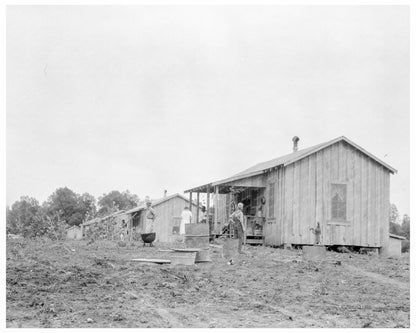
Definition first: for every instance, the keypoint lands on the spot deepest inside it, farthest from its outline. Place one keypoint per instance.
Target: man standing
(186, 218)
(150, 217)
(237, 220)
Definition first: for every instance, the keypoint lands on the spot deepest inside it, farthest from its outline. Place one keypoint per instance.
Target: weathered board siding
(302, 197)
(273, 228)
(168, 213)
(306, 199)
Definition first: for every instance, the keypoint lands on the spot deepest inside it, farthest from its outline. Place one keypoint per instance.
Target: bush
(405, 246)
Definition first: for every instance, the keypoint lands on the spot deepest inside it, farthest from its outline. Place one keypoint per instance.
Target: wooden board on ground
(155, 261)
(187, 250)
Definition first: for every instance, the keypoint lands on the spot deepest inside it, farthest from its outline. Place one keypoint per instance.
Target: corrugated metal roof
(296, 156)
(285, 160)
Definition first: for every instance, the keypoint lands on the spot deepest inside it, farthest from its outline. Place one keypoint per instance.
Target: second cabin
(336, 183)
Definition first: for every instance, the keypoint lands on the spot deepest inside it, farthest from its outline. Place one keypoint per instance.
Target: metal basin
(149, 238)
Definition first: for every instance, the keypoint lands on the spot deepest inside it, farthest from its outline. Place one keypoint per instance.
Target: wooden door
(270, 231)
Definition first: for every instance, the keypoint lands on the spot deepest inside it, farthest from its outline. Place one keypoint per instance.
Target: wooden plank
(335, 162)
(386, 208)
(374, 232)
(359, 196)
(319, 205)
(326, 175)
(342, 163)
(277, 207)
(370, 203)
(296, 199)
(312, 198)
(356, 167)
(333, 178)
(282, 204)
(288, 221)
(155, 261)
(303, 229)
(349, 231)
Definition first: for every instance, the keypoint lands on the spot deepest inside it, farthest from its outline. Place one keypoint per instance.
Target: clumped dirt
(81, 284)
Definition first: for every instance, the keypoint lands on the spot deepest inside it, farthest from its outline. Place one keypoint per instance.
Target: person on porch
(237, 222)
(186, 217)
(150, 216)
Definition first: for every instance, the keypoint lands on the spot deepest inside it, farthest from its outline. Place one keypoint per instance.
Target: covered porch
(222, 198)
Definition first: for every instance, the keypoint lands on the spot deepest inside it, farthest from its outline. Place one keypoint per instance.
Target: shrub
(405, 246)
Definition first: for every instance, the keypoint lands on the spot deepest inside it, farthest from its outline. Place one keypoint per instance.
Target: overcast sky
(153, 98)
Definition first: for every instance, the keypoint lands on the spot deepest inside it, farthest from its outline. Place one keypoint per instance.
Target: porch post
(190, 201)
(216, 204)
(197, 207)
(209, 221)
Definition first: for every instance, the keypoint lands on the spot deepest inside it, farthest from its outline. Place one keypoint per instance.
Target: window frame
(331, 219)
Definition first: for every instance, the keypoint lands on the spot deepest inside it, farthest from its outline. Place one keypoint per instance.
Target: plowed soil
(76, 284)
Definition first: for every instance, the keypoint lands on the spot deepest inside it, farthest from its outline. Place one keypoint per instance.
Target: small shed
(74, 232)
(395, 245)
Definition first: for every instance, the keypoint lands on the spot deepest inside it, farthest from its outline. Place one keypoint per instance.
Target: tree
(394, 214)
(406, 226)
(116, 200)
(66, 205)
(26, 218)
(395, 227)
(88, 203)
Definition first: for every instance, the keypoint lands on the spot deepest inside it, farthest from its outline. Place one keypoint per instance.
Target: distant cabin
(336, 183)
(168, 216)
(395, 245)
(130, 223)
(74, 232)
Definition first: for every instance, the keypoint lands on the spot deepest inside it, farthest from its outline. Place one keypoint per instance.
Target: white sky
(154, 98)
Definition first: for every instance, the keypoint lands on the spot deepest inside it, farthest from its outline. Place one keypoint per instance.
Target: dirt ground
(76, 284)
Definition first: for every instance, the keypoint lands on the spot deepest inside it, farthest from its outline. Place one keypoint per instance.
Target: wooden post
(208, 219)
(216, 204)
(197, 207)
(190, 201)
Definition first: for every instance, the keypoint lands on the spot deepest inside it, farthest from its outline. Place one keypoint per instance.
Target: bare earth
(63, 284)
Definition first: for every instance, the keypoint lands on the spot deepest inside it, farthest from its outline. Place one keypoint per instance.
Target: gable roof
(296, 156)
(73, 227)
(100, 219)
(159, 201)
(397, 236)
(288, 159)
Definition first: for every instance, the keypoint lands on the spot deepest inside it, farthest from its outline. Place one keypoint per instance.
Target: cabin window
(176, 225)
(339, 202)
(271, 199)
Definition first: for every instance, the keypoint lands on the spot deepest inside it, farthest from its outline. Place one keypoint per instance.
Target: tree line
(62, 209)
(400, 226)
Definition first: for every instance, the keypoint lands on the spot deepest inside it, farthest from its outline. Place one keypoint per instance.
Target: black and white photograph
(223, 165)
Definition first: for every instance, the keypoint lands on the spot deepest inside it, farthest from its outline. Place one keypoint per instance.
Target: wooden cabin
(168, 216)
(395, 245)
(336, 183)
(127, 225)
(74, 232)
